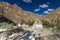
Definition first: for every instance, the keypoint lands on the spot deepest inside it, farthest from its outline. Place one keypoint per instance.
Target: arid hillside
(15, 14)
(53, 17)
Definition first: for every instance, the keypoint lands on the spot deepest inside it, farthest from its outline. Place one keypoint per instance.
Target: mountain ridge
(16, 14)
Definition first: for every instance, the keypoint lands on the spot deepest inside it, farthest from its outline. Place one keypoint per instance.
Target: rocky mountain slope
(16, 14)
(53, 17)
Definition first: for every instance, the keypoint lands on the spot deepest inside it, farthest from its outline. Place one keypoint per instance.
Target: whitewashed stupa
(37, 24)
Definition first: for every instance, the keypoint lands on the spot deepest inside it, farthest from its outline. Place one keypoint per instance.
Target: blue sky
(36, 6)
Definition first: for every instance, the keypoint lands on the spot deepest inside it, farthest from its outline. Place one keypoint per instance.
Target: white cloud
(50, 9)
(36, 10)
(43, 6)
(48, 2)
(45, 12)
(28, 1)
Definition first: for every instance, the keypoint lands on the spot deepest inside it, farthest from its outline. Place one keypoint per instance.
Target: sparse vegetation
(5, 25)
(30, 23)
(46, 24)
(58, 22)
